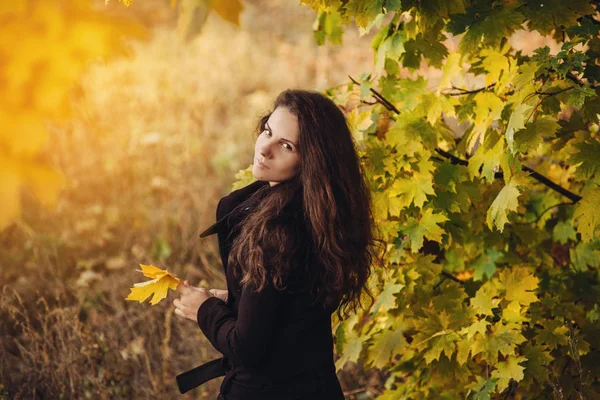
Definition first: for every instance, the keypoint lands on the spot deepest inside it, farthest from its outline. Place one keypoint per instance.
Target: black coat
(275, 344)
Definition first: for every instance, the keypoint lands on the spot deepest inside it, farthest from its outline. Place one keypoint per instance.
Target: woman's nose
(264, 151)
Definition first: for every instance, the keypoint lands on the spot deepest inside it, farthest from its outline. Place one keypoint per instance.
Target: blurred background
(132, 148)
(121, 128)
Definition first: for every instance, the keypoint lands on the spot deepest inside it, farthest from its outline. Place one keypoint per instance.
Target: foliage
(57, 39)
(193, 13)
(493, 280)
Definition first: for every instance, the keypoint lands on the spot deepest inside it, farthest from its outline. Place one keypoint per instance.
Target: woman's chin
(257, 173)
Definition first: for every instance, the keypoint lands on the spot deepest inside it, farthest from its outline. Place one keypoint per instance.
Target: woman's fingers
(182, 288)
(179, 303)
(220, 293)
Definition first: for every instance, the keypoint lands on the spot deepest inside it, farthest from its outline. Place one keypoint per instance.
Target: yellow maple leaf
(162, 281)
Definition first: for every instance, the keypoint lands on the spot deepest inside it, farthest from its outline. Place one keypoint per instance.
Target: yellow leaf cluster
(56, 40)
(162, 281)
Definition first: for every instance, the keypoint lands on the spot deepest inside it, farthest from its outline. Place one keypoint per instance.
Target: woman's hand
(220, 293)
(191, 299)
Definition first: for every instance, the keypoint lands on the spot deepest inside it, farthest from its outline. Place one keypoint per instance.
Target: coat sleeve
(244, 337)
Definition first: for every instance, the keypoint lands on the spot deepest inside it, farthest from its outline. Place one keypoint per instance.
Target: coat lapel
(229, 203)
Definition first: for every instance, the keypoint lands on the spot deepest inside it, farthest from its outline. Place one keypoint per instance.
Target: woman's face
(277, 148)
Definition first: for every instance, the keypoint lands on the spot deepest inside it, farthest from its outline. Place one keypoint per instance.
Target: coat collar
(229, 203)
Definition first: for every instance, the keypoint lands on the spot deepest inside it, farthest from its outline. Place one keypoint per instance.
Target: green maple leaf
(587, 159)
(386, 345)
(463, 349)
(587, 214)
(486, 264)
(451, 300)
(410, 134)
(506, 201)
(494, 62)
(424, 165)
(507, 370)
(525, 74)
(553, 334)
(578, 96)
(413, 189)
(363, 11)
(321, 4)
(479, 326)
(555, 14)
(529, 138)
(488, 108)
(482, 388)
(584, 255)
(426, 226)
(407, 148)
(484, 301)
(392, 47)
(519, 282)
(563, 232)
(396, 205)
(332, 27)
(352, 350)
(586, 29)
(451, 69)
(538, 358)
(447, 175)
(445, 343)
(359, 122)
(394, 164)
(328, 25)
(424, 45)
(377, 153)
(435, 10)
(405, 94)
(516, 122)
(433, 106)
(386, 300)
(429, 326)
(393, 5)
(503, 339)
(485, 24)
(381, 205)
(344, 332)
(591, 107)
(433, 335)
(365, 88)
(454, 191)
(512, 312)
(489, 155)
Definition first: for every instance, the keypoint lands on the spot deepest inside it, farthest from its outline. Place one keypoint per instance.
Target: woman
(296, 245)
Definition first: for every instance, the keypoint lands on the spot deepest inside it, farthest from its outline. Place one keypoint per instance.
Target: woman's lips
(260, 164)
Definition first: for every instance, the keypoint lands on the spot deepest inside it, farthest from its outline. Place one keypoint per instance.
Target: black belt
(188, 380)
(193, 378)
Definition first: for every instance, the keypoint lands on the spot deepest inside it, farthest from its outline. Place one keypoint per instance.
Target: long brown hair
(317, 226)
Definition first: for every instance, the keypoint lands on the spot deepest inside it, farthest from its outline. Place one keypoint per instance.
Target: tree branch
(379, 98)
(464, 91)
(455, 160)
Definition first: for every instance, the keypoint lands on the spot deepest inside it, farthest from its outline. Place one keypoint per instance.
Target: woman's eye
(286, 145)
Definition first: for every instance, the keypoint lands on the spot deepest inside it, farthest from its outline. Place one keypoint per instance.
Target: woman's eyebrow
(267, 125)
